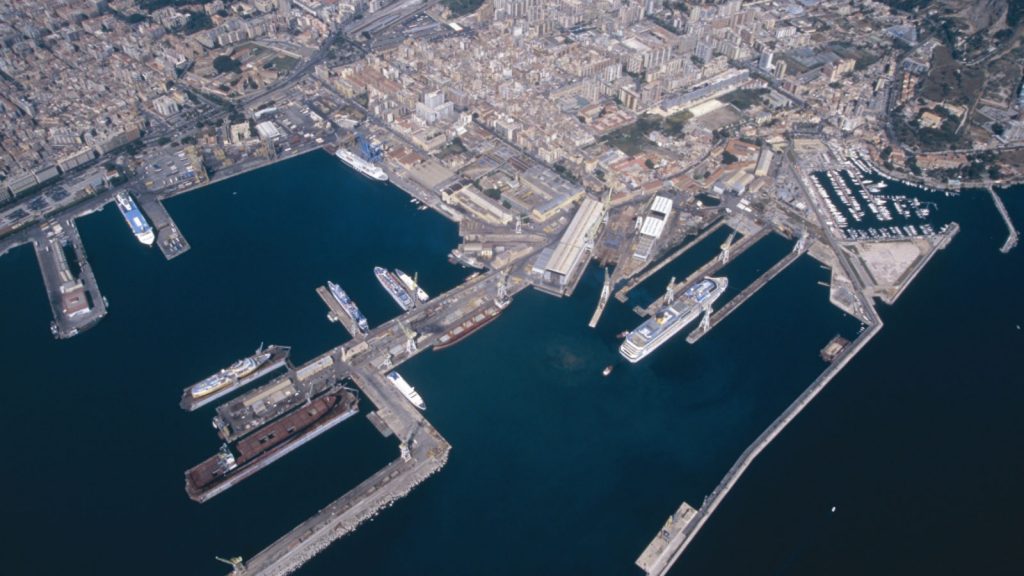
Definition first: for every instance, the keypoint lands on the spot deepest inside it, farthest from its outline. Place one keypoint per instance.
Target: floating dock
(337, 313)
(422, 453)
(276, 398)
(278, 358)
(269, 444)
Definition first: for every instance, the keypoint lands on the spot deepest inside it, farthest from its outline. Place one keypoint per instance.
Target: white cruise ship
(672, 318)
(412, 286)
(365, 168)
(140, 227)
(406, 390)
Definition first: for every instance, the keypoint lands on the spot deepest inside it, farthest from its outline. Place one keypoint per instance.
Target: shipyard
(630, 145)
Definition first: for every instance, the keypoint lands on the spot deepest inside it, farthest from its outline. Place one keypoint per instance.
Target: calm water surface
(554, 469)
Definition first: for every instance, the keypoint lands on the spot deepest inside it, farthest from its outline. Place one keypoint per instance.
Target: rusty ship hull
(268, 444)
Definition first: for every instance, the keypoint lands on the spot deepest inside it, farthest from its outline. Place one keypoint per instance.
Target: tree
(493, 193)
(224, 64)
(998, 129)
(728, 157)
(649, 163)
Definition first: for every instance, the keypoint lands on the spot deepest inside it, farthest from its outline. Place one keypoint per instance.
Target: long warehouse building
(575, 242)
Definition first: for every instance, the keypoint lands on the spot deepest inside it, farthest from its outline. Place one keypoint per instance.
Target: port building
(563, 264)
(651, 227)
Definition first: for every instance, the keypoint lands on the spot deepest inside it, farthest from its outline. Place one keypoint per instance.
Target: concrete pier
(743, 296)
(276, 398)
(708, 269)
(1011, 239)
(656, 556)
(422, 450)
(337, 313)
(168, 238)
(606, 291)
(75, 300)
(674, 546)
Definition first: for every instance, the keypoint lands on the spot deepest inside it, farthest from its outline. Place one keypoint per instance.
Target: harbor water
(554, 469)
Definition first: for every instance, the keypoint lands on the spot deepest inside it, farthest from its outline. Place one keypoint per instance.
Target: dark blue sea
(554, 468)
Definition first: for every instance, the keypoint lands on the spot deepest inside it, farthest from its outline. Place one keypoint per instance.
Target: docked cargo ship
(349, 307)
(412, 286)
(140, 227)
(394, 288)
(672, 318)
(263, 361)
(360, 165)
(467, 327)
(268, 444)
(407, 390)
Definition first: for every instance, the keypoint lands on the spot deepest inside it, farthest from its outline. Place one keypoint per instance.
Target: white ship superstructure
(360, 165)
(407, 390)
(672, 318)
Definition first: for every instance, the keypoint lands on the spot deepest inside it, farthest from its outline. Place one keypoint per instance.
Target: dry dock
(276, 398)
(278, 358)
(422, 452)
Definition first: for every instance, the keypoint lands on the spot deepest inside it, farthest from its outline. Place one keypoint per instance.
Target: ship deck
(271, 443)
(278, 358)
(252, 410)
(338, 314)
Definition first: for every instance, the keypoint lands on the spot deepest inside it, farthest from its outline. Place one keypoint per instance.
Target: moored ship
(394, 287)
(349, 307)
(360, 165)
(412, 286)
(268, 444)
(467, 327)
(238, 374)
(140, 227)
(672, 318)
(240, 369)
(408, 391)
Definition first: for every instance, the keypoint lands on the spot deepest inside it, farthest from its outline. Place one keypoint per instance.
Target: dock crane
(726, 246)
(237, 566)
(410, 343)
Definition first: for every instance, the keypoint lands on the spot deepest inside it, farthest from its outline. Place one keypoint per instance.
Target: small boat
(607, 370)
(622, 334)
